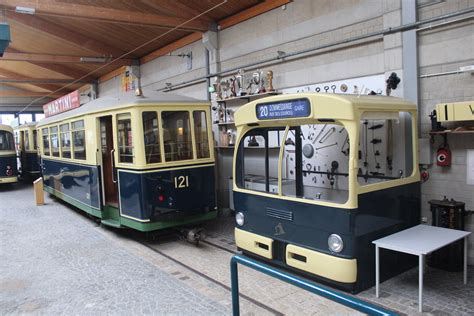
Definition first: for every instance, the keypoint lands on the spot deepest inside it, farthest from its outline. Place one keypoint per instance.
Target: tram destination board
(283, 109)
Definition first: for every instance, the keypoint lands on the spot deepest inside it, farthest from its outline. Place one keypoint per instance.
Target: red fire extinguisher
(443, 156)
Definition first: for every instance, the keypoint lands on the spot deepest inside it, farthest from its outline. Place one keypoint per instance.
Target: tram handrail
(312, 287)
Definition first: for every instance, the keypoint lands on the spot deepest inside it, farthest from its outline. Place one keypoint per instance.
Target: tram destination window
(315, 163)
(79, 140)
(65, 141)
(6, 141)
(177, 135)
(54, 141)
(151, 137)
(45, 135)
(257, 162)
(385, 147)
(125, 138)
(201, 136)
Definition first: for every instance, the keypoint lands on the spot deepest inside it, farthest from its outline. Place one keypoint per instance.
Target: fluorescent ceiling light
(25, 10)
(93, 59)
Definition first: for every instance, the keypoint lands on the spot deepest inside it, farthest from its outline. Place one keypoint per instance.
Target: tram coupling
(194, 234)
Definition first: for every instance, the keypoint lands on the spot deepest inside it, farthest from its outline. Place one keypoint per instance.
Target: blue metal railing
(312, 287)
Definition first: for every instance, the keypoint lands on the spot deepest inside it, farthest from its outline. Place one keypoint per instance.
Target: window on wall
(25, 118)
(78, 140)
(151, 137)
(45, 134)
(39, 117)
(200, 134)
(177, 135)
(125, 139)
(53, 131)
(257, 167)
(315, 163)
(65, 141)
(385, 147)
(6, 141)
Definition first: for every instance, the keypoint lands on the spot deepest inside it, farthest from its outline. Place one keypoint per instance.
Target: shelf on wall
(458, 130)
(225, 123)
(249, 97)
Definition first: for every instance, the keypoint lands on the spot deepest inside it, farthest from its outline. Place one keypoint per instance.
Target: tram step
(111, 222)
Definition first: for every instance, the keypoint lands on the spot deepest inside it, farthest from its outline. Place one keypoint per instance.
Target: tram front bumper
(313, 262)
(8, 179)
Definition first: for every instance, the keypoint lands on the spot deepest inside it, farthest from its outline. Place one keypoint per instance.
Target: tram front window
(27, 141)
(177, 135)
(151, 137)
(6, 141)
(385, 147)
(200, 131)
(124, 130)
(315, 163)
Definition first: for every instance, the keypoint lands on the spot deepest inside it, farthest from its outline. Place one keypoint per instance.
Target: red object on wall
(443, 157)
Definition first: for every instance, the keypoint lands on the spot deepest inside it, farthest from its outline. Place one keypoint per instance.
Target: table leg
(420, 284)
(377, 276)
(465, 260)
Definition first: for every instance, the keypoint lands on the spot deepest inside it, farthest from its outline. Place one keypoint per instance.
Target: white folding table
(419, 241)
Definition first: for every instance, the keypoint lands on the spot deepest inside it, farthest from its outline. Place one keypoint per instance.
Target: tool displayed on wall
(376, 141)
(319, 134)
(326, 136)
(318, 89)
(389, 147)
(308, 151)
(392, 83)
(318, 148)
(443, 156)
(345, 146)
(366, 149)
(334, 167)
(343, 87)
(326, 89)
(333, 88)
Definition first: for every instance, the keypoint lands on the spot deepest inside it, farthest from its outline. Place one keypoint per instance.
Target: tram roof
(325, 106)
(25, 125)
(4, 127)
(121, 101)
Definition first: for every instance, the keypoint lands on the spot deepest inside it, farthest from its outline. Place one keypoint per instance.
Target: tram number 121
(181, 182)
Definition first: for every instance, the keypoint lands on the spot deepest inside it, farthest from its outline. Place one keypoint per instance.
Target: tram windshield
(6, 141)
(177, 135)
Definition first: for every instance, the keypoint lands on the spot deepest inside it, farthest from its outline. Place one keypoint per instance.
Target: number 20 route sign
(283, 109)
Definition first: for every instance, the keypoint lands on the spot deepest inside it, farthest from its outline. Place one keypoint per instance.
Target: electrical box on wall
(458, 111)
(424, 151)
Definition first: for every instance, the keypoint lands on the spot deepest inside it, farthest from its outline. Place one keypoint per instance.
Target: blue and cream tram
(146, 163)
(26, 140)
(318, 177)
(8, 170)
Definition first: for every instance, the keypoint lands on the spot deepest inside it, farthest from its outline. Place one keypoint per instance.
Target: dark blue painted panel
(80, 182)
(140, 192)
(8, 161)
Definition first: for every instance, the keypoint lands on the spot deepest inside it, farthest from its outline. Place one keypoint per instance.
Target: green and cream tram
(8, 170)
(26, 140)
(318, 177)
(146, 163)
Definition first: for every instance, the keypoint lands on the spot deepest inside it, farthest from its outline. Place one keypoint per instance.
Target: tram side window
(125, 142)
(315, 163)
(65, 141)
(257, 162)
(45, 134)
(177, 135)
(151, 137)
(35, 139)
(201, 136)
(79, 140)
(27, 141)
(6, 141)
(54, 141)
(385, 147)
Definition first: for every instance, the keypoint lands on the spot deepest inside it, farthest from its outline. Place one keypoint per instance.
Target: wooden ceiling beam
(251, 12)
(65, 34)
(28, 80)
(57, 59)
(64, 70)
(20, 93)
(49, 7)
(191, 38)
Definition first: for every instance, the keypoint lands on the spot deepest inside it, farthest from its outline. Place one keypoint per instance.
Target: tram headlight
(239, 218)
(335, 243)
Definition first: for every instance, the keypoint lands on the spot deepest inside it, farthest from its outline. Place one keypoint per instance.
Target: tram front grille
(280, 214)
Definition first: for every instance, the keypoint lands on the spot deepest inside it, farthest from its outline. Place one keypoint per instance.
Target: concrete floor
(55, 260)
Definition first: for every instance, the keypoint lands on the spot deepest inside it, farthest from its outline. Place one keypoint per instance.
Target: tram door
(107, 150)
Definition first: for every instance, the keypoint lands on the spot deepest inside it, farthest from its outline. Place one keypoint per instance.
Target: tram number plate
(181, 182)
(284, 109)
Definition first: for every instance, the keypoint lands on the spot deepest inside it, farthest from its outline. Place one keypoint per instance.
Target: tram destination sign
(283, 109)
(65, 103)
